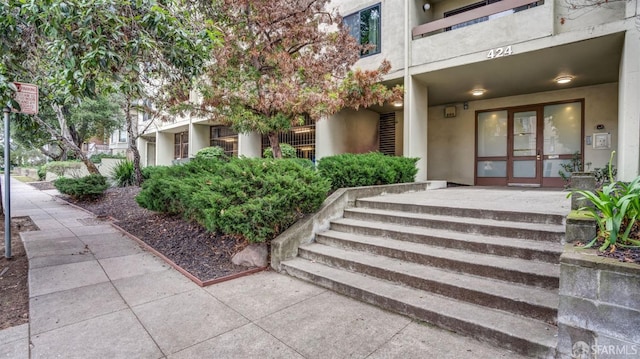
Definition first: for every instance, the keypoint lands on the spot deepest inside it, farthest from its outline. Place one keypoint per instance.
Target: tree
(97, 117)
(85, 47)
(281, 60)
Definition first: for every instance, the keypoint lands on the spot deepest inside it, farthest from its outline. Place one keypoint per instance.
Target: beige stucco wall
(451, 141)
(199, 138)
(391, 30)
(348, 131)
(516, 28)
(164, 148)
(571, 19)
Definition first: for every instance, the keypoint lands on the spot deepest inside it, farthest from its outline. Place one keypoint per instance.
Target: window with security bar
(225, 137)
(302, 138)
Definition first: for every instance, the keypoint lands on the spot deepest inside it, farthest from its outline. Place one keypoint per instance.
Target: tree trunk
(68, 144)
(133, 147)
(274, 141)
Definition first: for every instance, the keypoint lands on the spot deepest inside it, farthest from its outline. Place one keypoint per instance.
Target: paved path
(95, 293)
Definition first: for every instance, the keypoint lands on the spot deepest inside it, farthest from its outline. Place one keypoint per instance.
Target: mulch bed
(14, 272)
(205, 255)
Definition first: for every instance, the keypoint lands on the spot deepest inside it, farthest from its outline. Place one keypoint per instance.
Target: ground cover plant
(615, 208)
(253, 198)
(369, 169)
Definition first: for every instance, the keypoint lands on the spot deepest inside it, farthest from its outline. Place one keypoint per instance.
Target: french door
(526, 146)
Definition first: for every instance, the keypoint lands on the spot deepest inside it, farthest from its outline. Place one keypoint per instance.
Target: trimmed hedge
(211, 152)
(287, 150)
(369, 169)
(254, 198)
(84, 188)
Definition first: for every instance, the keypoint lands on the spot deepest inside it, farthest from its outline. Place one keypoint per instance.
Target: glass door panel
(525, 148)
(491, 147)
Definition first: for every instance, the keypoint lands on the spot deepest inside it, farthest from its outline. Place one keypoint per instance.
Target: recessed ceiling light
(563, 79)
(397, 104)
(478, 92)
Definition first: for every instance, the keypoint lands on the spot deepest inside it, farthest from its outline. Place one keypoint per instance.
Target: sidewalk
(95, 293)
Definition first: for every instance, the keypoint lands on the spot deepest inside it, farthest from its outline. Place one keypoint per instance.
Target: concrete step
(487, 227)
(536, 303)
(481, 213)
(533, 273)
(530, 337)
(502, 246)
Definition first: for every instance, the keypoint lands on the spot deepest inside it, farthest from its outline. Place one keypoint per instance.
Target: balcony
(477, 15)
(499, 24)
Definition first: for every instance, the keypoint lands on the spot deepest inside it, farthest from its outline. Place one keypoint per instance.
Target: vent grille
(388, 134)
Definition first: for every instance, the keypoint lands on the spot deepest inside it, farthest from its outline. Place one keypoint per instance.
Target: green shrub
(61, 167)
(355, 170)
(84, 188)
(616, 207)
(42, 173)
(255, 198)
(124, 174)
(287, 150)
(97, 158)
(211, 152)
(149, 171)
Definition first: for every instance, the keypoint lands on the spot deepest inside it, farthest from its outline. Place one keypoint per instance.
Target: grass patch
(24, 179)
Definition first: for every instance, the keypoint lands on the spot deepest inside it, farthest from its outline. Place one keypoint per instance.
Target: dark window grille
(387, 130)
(302, 138)
(225, 137)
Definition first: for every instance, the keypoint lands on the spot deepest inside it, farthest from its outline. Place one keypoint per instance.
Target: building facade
(497, 92)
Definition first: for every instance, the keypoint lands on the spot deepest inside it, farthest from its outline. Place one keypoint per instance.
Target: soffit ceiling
(591, 62)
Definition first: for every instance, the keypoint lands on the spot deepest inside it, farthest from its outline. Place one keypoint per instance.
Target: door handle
(538, 157)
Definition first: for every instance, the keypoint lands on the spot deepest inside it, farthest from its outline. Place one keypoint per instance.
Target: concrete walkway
(95, 293)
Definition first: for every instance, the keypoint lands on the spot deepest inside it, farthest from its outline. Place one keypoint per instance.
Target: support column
(326, 143)
(200, 138)
(164, 148)
(629, 108)
(250, 145)
(416, 111)
(141, 143)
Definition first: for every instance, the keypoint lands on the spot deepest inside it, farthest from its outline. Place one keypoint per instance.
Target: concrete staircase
(490, 274)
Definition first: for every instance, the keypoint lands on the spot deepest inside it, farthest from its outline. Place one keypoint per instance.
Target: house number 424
(499, 52)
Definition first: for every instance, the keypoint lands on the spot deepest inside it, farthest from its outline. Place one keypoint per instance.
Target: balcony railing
(484, 11)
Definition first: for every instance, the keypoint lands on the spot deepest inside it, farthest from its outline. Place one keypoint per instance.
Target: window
(122, 135)
(301, 137)
(225, 137)
(483, 18)
(181, 145)
(364, 26)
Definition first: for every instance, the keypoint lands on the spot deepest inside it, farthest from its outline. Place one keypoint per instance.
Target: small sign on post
(27, 97)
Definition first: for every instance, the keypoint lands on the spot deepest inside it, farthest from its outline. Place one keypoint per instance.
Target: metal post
(7, 184)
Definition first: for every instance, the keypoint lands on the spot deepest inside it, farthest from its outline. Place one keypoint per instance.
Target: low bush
(355, 170)
(254, 198)
(42, 173)
(216, 152)
(97, 158)
(124, 174)
(287, 150)
(149, 171)
(60, 168)
(84, 188)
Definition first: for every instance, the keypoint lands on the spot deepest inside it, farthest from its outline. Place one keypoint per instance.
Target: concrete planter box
(582, 181)
(599, 311)
(580, 227)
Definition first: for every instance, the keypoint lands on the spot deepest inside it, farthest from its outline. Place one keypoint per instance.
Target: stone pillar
(582, 181)
(250, 145)
(629, 108)
(416, 108)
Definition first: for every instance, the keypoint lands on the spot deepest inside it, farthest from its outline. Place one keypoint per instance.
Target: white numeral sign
(500, 52)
